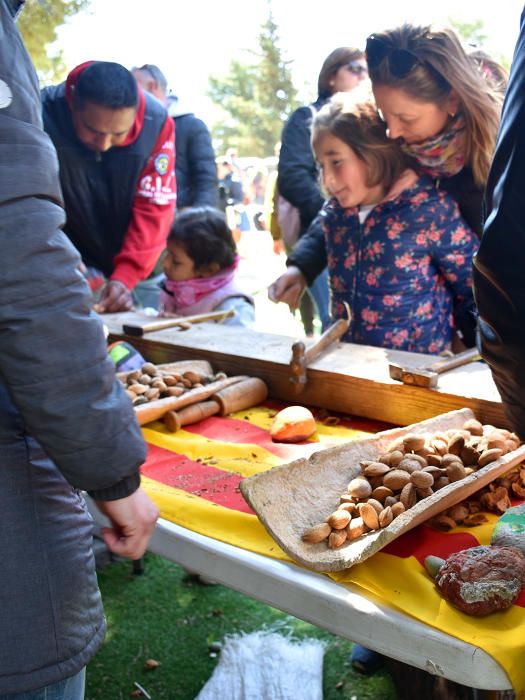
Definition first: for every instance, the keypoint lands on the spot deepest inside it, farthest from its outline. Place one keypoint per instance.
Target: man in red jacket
(116, 151)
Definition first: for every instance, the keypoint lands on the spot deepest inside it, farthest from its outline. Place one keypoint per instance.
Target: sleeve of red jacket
(153, 209)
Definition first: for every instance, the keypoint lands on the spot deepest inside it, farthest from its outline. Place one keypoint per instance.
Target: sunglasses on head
(357, 68)
(400, 61)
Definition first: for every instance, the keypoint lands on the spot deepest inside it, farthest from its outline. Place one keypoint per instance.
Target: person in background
(399, 253)
(492, 71)
(195, 170)
(65, 422)
(499, 283)
(298, 178)
(116, 152)
(201, 268)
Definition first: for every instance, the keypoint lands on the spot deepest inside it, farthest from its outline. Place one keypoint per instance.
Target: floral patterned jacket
(406, 272)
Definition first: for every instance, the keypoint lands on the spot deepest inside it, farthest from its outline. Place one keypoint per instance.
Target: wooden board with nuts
(343, 504)
(156, 389)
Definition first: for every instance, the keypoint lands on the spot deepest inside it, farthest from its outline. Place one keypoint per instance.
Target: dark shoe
(365, 660)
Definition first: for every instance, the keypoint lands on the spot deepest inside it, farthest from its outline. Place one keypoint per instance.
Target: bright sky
(192, 39)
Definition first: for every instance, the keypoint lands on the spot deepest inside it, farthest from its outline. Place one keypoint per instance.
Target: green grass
(167, 616)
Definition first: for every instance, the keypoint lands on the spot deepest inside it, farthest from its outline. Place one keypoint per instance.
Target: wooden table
(350, 379)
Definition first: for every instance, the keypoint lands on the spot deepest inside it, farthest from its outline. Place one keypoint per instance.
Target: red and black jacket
(120, 203)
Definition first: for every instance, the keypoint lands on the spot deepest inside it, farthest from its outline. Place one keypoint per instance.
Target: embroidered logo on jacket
(161, 164)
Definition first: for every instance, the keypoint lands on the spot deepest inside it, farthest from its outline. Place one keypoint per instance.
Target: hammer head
(414, 376)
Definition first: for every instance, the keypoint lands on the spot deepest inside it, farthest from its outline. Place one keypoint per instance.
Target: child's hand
(288, 288)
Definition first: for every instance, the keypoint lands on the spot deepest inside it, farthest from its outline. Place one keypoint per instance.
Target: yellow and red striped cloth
(193, 476)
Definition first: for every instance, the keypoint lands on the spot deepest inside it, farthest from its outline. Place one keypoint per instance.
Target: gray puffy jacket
(58, 399)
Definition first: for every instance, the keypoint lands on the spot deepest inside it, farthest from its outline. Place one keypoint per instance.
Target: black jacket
(298, 176)
(195, 169)
(499, 277)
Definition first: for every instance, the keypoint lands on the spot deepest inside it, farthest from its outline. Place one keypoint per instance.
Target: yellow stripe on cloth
(224, 524)
(400, 582)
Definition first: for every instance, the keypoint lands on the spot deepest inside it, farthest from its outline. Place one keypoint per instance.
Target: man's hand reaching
(115, 297)
(133, 519)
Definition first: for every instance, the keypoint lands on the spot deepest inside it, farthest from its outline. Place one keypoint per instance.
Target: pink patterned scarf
(443, 155)
(189, 292)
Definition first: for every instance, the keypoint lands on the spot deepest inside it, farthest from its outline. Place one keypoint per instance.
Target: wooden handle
(237, 397)
(174, 420)
(462, 358)
(156, 409)
(162, 323)
(331, 335)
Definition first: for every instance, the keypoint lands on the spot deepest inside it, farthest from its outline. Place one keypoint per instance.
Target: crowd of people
(113, 197)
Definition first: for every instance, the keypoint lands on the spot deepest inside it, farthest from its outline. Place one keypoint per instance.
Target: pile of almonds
(150, 383)
(412, 468)
(494, 498)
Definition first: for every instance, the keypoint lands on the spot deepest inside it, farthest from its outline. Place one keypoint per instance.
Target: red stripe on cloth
(424, 541)
(237, 430)
(176, 470)
(323, 415)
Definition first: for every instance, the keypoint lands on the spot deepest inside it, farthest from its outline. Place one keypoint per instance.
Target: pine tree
(38, 23)
(257, 97)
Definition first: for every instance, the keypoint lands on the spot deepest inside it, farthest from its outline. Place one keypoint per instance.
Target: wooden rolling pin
(156, 409)
(237, 397)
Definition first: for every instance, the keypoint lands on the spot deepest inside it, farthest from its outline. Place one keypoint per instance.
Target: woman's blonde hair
(442, 65)
(358, 125)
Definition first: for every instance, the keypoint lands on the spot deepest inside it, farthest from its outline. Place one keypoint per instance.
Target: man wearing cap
(116, 153)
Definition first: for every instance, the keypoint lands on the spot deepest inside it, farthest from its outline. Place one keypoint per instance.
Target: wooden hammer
(245, 394)
(301, 357)
(427, 377)
(184, 322)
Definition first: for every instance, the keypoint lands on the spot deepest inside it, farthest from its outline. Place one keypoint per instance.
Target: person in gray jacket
(65, 422)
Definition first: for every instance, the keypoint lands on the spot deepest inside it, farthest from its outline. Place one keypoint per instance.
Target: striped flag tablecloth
(193, 476)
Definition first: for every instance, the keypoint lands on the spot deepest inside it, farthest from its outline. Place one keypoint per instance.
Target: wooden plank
(349, 378)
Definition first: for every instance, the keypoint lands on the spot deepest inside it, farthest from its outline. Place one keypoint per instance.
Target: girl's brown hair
(358, 125)
(333, 62)
(442, 65)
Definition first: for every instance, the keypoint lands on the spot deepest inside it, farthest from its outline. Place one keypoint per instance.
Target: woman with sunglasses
(435, 101)
(298, 178)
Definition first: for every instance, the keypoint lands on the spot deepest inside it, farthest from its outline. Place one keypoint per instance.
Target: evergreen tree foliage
(257, 96)
(38, 24)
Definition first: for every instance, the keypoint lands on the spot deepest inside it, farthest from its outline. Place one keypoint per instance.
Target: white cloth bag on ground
(266, 666)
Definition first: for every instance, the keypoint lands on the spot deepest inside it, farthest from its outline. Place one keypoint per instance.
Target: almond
(408, 496)
(397, 509)
(376, 469)
(360, 488)
(369, 515)
(456, 471)
(385, 517)
(422, 480)
(336, 538)
(317, 533)
(395, 457)
(339, 519)
(376, 504)
(489, 456)
(356, 528)
(381, 492)
(410, 464)
(473, 426)
(456, 444)
(396, 479)
(442, 523)
(413, 442)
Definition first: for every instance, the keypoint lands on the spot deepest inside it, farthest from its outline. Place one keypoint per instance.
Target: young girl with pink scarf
(200, 266)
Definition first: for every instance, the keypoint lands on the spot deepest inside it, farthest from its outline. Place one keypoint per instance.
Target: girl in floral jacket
(399, 252)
